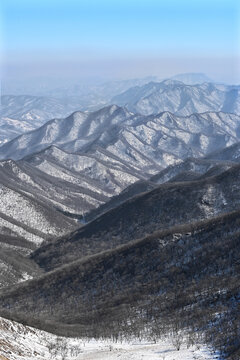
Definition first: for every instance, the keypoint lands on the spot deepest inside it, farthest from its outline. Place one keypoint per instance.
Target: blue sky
(49, 36)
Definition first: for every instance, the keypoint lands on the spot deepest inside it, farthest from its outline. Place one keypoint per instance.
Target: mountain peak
(171, 82)
(179, 98)
(192, 78)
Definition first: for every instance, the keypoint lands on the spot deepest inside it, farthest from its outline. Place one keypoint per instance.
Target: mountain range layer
(179, 98)
(19, 114)
(113, 149)
(162, 207)
(183, 94)
(22, 113)
(145, 143)
(74, 197)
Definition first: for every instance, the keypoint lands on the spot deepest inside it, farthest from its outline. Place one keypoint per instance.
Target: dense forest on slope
(184, 278)
(165, 206)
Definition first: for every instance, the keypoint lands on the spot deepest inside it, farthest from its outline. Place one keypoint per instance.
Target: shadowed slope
(183, 277)
(165, 206)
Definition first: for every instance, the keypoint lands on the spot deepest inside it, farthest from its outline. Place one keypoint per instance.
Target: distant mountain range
(182, 94)
(22, 113)
(179, 98)
(192, 78)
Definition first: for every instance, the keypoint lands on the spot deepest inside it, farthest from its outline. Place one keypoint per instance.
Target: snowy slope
(71, 133)
(37, 191)
(25, 211)
(37, 196)
(192, 166)
(179, 98)
(143, 143)
(113, 148)
(19, 341)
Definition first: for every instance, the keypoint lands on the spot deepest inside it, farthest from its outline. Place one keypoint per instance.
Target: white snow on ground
(25, 277)
(22, 342)
(14, 205)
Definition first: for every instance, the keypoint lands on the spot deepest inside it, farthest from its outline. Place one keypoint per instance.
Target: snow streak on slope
(25, 210)
(19, 207)
(19, 341)
(86, 170)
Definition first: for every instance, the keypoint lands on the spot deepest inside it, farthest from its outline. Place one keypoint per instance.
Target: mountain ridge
(180, 98)
(164, 206)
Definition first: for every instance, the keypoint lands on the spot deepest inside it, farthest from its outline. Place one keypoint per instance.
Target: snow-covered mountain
(36, 108)
(192, 78)
(44, 196)
(30, 203)
(75, 164)
(76, 254)
(144, 143)
(95, 178)
(179, 98)
(26, 208)
(37, 192)
(22, 113)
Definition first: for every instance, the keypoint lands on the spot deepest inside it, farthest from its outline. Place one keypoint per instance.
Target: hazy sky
(73, 39)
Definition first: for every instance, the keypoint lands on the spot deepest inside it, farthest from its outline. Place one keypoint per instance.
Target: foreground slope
(185, 277)
(167, 205)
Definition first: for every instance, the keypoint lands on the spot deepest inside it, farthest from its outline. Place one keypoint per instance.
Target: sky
(68, 40)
